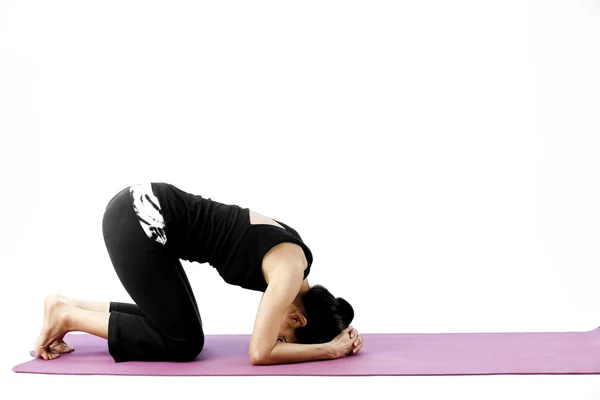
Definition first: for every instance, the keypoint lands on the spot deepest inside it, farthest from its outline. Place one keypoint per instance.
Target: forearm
(285, 353)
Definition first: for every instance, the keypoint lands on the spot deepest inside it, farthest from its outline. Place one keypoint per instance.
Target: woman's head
(316, 317)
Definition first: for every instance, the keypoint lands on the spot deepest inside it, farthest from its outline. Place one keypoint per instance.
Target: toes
(52, 355)
(60, 346)
(41, 353)
(65, 348)
(47, 353)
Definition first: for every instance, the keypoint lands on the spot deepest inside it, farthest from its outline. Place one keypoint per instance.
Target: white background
(439, 158)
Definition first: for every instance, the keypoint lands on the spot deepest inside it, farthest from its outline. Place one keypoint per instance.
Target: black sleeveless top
(202, 230)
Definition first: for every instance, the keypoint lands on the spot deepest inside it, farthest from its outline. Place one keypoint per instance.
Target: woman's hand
(348, 342)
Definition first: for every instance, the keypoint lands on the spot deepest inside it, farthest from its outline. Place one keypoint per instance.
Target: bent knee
(186, 350)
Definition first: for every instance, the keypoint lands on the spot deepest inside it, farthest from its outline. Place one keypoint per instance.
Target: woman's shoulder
(284, 255)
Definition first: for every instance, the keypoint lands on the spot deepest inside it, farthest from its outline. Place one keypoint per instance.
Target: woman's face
(292, 320)
(286, 334)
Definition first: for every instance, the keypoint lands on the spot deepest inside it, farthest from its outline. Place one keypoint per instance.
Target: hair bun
(346, 310)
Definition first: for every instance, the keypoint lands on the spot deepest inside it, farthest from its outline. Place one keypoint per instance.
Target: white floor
(459, 387)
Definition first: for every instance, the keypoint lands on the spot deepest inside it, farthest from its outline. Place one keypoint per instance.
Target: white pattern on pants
(147, 208)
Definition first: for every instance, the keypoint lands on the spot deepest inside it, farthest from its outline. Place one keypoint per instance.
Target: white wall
(440, 158)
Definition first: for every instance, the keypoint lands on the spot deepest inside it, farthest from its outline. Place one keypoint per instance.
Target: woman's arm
(284, 353)
(346, 343)
(286, 277)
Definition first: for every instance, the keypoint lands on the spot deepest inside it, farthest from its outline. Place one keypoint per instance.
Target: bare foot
(59, 345)
(54, 328)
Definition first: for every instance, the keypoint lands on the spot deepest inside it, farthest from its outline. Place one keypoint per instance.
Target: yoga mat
(382, 354)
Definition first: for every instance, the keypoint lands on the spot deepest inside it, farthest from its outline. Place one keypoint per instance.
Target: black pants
(164, 323)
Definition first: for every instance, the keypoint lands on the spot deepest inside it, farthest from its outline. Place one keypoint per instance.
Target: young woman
(147, 229)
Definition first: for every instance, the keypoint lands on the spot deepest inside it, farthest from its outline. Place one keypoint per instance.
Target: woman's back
(231, 238)
(198, 228)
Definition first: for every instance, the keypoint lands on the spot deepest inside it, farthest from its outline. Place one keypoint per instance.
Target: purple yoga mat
(382, 354)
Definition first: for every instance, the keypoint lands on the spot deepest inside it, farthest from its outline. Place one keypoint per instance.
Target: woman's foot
(60, 346)
(50, 344)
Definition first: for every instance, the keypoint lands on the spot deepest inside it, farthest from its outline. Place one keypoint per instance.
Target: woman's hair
(326, 316)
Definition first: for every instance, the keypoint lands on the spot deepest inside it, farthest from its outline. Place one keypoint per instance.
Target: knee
(186, 350)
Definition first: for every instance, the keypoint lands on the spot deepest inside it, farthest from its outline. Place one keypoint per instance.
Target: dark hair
(326, 316)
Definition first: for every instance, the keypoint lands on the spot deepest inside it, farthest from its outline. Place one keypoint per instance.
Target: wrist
(331, 350)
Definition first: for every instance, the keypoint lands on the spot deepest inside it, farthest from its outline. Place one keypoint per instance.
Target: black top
(206, 231)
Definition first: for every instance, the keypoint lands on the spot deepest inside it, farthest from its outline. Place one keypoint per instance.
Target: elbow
(258, 358)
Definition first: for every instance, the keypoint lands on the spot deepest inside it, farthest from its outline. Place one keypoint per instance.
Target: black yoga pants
(164, 324)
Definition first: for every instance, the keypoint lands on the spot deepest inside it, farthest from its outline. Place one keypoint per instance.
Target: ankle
(66, 316)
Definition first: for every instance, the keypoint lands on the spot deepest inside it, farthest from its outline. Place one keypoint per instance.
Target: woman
(147, 229)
